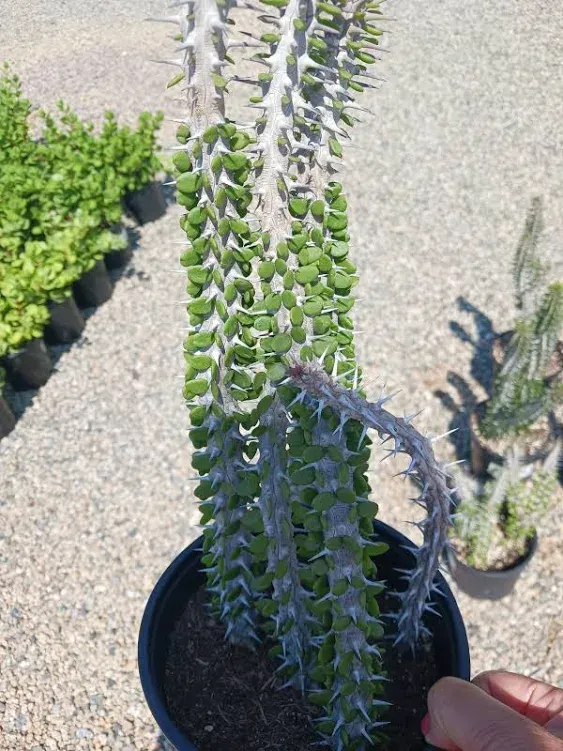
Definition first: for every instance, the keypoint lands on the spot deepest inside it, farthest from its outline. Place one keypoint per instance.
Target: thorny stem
(435, 496)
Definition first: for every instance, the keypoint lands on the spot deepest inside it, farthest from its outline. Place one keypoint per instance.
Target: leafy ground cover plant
(59, 197)
(281, 446)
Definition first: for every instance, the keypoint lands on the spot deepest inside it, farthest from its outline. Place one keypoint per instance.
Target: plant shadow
(463, 403)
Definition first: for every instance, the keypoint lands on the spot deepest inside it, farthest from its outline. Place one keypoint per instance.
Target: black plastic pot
(29, 368)
(488, 585)
(183, 577)
(66, 323)
(147, 204)
(94, 288)
(117, 259)
(7, 419)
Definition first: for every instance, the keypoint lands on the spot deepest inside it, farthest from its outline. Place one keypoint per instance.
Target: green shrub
(14, 113)
(59, 197)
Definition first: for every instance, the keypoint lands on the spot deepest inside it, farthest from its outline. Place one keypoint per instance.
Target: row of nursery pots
(31, 366)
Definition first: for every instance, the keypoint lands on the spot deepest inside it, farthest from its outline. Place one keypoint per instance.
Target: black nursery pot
(489, 585)
(7, 419)
(66, 324)
(183, 577)
(94, 288)
(147, 204)
(117, 259)
(29, 368)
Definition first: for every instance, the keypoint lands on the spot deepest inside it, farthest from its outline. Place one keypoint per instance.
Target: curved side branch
(423, 468)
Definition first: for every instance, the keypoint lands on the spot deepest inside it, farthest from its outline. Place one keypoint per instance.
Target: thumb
(462, 717)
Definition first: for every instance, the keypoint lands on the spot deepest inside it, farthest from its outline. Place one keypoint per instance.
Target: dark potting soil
(227, 698)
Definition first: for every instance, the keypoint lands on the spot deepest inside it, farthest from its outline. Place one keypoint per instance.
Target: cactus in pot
(279, 423)
(529, 382)
(496, 516)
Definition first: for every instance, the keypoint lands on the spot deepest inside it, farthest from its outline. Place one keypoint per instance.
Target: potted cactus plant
(528, 387)
(292, 558)
(515, 435)
(494, 534)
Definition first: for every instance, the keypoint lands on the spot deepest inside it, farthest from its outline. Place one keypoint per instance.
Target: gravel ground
(94, 491)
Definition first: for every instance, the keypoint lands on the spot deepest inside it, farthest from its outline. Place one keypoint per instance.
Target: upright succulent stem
(348, 605)
(226, 555)
(289, 604)
(211, 186)
(522, 393)
(423, 468)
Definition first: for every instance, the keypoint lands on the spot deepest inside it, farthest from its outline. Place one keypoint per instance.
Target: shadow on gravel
(463, 403)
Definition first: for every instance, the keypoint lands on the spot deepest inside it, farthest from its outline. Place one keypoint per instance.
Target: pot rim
(156, 703)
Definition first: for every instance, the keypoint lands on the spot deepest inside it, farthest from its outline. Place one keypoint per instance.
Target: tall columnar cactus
(289, 534)
(522, 393)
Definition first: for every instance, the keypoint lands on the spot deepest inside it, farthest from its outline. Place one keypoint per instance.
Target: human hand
(498, 711)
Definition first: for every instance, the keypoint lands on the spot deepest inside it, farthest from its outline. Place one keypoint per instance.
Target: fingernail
(425, 725)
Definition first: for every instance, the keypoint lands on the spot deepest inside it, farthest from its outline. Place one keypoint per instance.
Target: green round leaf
(235, 161)
(307, 274)
(313, 307)
(266, 270)
(298, 335)
(289, 299)
(194, 388)
(318, 209)
(337, 221)
(182, 134)
(199, 274)
(182, 162)
(298, 207)
(281, 343)
(189, 182)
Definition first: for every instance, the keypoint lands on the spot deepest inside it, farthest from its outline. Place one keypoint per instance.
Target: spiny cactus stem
(273, 203)
(292, 618)
(435, 494)
(233, 596)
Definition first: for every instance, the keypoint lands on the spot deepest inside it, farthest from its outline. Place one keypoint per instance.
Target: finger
(465, 718)
(536, 700)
